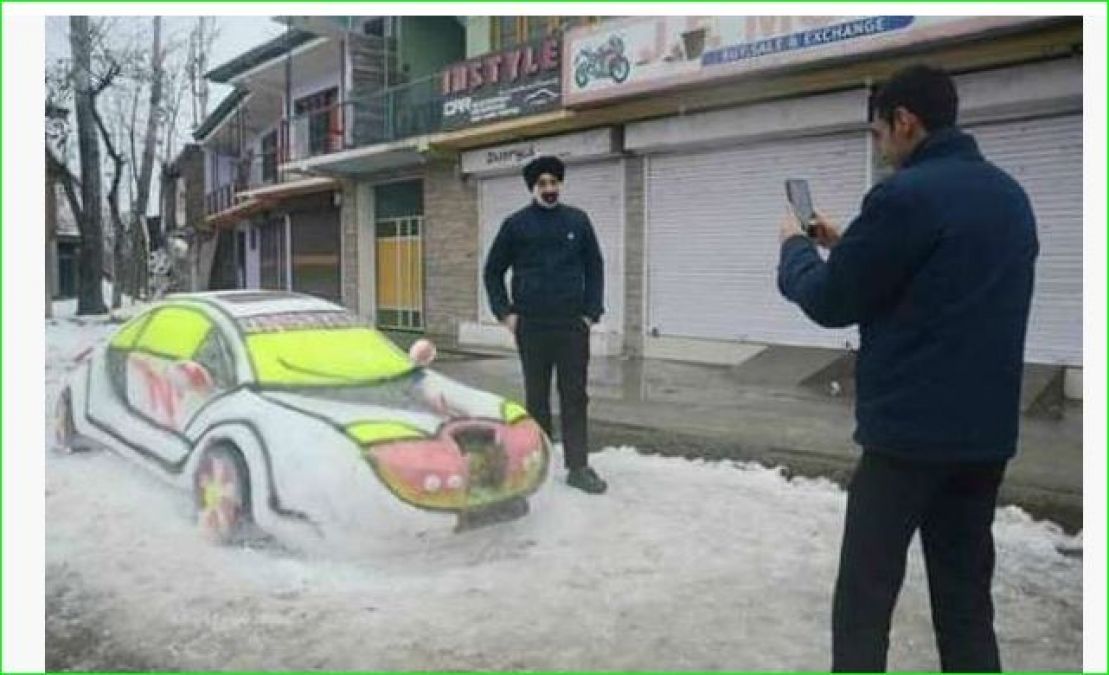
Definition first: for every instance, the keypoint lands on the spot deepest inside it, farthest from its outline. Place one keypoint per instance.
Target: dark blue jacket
(557, 270)
(937, 271)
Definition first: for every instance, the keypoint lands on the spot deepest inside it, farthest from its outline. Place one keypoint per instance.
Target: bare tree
(116, 129)
(201, 38)
(146, 169)
(113, 206)
(119, 253)
(90, 297)
(129, 126)
(146, 65)
(142, 64)
(126, 122)
(111, 66)
(176, 85)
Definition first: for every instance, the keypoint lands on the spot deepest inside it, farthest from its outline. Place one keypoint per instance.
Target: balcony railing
(390, 115)
(250, 171)
(257, 170)
(393, 114)
(219, 199)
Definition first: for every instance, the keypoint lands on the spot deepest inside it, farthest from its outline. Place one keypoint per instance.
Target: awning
(529, 126)
(367, 159)
(253, 202)
(234, 214)
(295, 188)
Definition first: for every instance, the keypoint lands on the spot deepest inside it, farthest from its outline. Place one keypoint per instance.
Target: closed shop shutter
(272, 254)
(712, 219)
(500, 197)
(1045, 156)
(315, 249)
(595, 187)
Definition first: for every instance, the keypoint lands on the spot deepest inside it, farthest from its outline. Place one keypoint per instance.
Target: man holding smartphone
(937, 271)
(557, 295)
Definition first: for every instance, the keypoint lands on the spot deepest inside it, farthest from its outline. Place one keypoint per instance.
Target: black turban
(541, 165)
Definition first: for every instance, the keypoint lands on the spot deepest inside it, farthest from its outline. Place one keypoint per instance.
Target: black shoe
(586, 480)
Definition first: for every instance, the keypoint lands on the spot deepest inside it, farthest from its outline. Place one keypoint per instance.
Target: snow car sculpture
(292, 414)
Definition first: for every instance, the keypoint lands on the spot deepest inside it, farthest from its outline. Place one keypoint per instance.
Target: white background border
(23, 209)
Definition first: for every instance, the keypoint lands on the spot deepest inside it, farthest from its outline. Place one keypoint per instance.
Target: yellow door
(400, 273)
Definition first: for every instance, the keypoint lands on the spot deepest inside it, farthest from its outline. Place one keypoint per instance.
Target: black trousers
(953, 507)
(562, 346)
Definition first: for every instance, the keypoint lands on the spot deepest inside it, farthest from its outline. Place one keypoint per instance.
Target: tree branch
(106, 137)
(113, 206)
(114, 70)
(118, 161)
(134, 185)
(106, 80)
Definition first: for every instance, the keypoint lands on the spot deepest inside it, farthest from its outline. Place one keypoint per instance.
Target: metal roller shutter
(713, 245)
(595, 187)
(315, 243)
(499, 197)
(1045, 157)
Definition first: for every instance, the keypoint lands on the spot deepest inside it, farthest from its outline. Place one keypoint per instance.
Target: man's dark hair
(927, 92)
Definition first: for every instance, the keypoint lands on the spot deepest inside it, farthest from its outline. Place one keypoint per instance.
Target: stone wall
(634, 243)
(450, 248)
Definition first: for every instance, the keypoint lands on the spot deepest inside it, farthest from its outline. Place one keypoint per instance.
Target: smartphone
(797, 192)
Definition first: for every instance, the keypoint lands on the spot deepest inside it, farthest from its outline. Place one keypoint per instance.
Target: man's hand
(510, 322)
(588, 322)
(825, 233)
(789, 228)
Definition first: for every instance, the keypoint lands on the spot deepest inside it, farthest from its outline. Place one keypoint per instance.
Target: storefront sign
(807, 39)
(568, 147)
(638, 55)
(502, 85)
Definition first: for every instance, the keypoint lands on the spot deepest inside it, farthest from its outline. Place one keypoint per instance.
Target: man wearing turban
(557, 295)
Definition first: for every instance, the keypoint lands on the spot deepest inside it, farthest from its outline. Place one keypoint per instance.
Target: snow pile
(687, 565)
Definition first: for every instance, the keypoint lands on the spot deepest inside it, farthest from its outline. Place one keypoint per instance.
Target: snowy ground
(683, 565)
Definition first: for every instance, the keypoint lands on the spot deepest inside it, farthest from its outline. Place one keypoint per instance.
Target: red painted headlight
(469, 463)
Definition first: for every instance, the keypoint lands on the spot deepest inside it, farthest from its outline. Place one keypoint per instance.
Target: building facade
(288, 179)
(678, 133)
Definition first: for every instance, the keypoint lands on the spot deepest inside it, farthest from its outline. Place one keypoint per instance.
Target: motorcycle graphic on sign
(606, 61)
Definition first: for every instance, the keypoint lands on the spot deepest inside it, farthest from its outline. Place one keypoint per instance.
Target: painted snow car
(292, 414)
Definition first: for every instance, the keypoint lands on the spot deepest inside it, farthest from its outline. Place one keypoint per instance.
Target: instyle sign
(502, 85)
(637, 55)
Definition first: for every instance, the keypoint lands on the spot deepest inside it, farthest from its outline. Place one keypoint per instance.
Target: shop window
(269, 157)
(375, 26)
(319, 117)
(509, 31)
(505, 32)
(538, 27)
